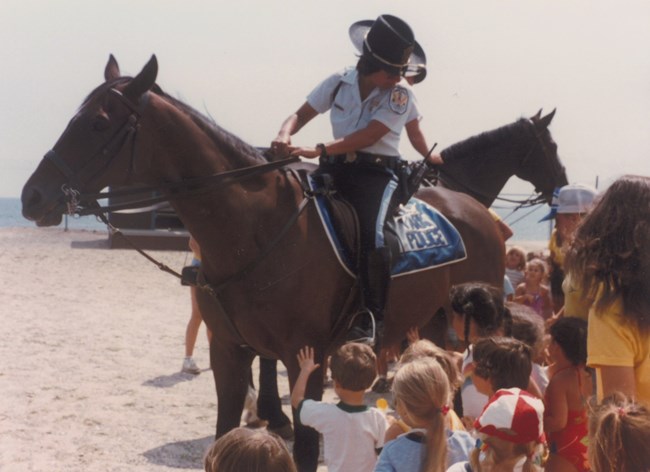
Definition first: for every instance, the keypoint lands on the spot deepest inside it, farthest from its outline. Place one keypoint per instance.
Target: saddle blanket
(425, 237)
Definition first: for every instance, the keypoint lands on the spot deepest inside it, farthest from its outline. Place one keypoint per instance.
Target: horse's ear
(537, 116)
(143, 81)
(545, 121)
(112, 70)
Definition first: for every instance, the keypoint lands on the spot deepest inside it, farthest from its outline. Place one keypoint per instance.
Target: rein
(73, 199)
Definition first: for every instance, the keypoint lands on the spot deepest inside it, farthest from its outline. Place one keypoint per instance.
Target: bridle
(105, 155)
(73, 199)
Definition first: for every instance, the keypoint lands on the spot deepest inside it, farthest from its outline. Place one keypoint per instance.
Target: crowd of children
(530, 390)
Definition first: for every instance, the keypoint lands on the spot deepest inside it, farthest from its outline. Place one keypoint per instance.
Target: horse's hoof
(382, 385)
(285, 432)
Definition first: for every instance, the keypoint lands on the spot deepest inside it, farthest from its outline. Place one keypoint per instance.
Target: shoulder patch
(399, 100)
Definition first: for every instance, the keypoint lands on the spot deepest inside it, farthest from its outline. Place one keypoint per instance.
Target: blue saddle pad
(426, 238)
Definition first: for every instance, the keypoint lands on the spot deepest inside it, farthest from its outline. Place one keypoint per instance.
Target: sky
(250, 63)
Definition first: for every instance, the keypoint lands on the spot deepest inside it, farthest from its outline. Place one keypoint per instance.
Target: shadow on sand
(168, 381)
(181, 454)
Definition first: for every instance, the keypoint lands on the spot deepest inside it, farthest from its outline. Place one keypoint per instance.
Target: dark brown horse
(275, 295)
(481, 165)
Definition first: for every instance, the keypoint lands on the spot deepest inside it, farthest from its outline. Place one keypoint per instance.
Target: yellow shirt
(612, 341)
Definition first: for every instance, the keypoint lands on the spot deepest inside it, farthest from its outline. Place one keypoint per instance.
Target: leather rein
(74, 199)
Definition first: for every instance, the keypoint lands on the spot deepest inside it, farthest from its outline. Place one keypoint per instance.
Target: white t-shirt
(352, 435)
(392, 107)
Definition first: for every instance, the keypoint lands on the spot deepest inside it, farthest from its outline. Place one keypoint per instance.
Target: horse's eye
(100, 122)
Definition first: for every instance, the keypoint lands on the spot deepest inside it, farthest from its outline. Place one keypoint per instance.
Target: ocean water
(524, 221)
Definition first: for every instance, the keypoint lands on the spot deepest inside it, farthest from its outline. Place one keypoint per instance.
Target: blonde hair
(249, 450)
(522, 256)
(619, 434)
(421, 387)
(423, 348)
(499, 454)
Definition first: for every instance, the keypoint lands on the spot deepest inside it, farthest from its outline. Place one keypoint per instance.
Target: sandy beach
(92, 345)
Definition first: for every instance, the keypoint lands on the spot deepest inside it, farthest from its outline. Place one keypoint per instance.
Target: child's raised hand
(306, 359)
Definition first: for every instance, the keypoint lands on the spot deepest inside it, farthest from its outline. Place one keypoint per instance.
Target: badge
(399, 100)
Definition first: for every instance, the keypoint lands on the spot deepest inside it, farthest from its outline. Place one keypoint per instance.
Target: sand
(92, 341)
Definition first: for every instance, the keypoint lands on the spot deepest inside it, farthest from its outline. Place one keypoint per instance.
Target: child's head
(516, 258)
(354, 366)
(528, 327)
(424, 348)
(422, 397)
(503, 362)
(510, 427)
(479, 311)
(535, 270)
(248, 449)
(619, 434)
(569, 334)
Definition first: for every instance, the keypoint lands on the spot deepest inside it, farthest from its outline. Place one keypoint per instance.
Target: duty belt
(364, 158)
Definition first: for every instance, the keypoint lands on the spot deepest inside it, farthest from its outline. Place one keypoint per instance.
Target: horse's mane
(481, 143)
(227, 142)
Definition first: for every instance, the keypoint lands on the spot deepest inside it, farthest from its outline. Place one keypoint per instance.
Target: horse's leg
(231, 367)
(306, 445)
(269, 405)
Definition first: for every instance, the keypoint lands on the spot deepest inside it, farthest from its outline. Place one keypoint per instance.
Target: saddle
(418, 235)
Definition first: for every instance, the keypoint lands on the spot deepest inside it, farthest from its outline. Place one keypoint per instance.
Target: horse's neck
(483, 173)
(224, 220)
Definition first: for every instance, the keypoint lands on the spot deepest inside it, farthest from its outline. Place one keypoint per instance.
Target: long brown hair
(610, 255)
(619, 434)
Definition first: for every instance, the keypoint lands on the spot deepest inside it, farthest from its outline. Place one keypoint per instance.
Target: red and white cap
(513, 415)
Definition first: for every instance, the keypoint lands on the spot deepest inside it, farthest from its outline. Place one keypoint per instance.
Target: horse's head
(542, 166)
(97, 148)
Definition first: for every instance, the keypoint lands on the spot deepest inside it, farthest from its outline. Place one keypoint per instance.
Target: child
(501, 362)
(619, 435)
(249, 450)
(352, 432)
(478, 312)
(511, 435)
(528, 328)
(422, 395)
(423, 348)
(532, 292)
(515, 265)
(565, 420)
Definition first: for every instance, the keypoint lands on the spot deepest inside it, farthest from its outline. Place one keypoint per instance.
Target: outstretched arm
(280, 146)
(419, 142)
(307, 366)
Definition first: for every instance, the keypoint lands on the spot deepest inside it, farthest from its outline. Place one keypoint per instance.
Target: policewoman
(370, 106)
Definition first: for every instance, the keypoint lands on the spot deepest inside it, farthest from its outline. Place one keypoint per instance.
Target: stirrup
(362, 339)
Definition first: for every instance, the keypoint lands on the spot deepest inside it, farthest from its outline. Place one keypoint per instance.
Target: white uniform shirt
(392, 107)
